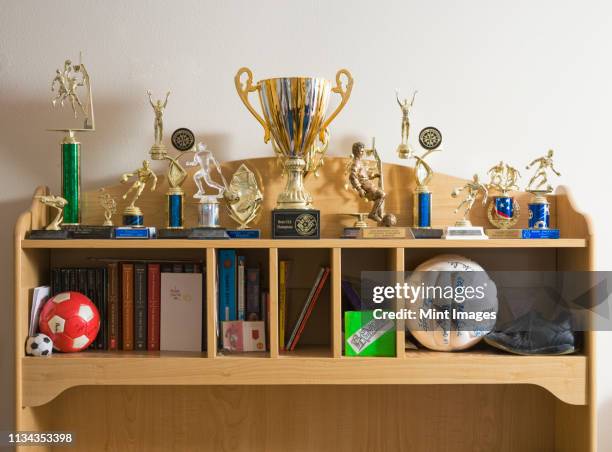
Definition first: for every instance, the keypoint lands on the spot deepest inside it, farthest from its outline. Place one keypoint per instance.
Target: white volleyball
(468, 318)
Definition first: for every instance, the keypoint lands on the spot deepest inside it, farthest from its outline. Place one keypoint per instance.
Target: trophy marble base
(173, 233)
(244, 233)
(523, 233)
(427, 233)
(43, 234)
(204, 233)
(296, 224)
(465, 233)
(90, 232)
(128, 232)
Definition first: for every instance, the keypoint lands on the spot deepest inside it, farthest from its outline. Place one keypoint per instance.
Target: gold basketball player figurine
(132, 215)
(109, 205)
(158, 150)
(544, 164)
(361, 178)
(404, 151)
(473, 189)
(58, 203)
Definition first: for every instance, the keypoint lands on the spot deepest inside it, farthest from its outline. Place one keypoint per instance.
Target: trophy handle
(344, 94)
(243, 92)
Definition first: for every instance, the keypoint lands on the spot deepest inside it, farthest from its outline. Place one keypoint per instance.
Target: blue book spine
(541, 233)
(227, 285)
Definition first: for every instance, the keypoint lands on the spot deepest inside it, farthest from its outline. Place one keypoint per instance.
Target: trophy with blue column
(72, 87)
(430, 139)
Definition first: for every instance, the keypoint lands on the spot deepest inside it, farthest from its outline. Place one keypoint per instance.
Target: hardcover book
(113, 306)
(140, 306)
(241, 288)
(252, 295)
(153, 306)
(181, 312)
(227, 285)
(127, 305)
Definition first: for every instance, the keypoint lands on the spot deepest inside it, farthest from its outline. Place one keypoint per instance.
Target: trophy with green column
(72, 87)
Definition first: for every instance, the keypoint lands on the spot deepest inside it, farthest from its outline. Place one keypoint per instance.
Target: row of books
(142, 305)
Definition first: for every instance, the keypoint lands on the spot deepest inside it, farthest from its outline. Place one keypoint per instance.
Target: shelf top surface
(321, 243)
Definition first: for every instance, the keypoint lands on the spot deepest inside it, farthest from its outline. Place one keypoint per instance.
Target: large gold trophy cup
(294, 116)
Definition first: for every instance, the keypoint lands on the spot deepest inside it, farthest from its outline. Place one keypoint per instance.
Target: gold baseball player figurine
(544, 164)
(158, 150)
(132, 215)
(109, 205)
(58, 203)
(404, 150)
(361, 178)
(473, 189)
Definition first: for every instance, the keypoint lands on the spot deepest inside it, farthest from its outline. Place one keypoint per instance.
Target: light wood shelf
(323, 243)
(70, 387)
(563, 376)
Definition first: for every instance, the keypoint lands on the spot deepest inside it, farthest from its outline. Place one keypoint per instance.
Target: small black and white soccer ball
(39, 345)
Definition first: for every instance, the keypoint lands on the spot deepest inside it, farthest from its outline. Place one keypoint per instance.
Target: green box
(374, 337)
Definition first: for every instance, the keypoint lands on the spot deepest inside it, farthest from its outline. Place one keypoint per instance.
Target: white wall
(502, 80)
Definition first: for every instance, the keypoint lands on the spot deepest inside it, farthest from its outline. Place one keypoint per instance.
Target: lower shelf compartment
(46, 378)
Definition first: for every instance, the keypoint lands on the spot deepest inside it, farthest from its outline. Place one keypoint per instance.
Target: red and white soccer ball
(71, 320)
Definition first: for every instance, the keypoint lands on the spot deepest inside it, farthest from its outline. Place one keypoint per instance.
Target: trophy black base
(90, 232)
(244, 233)
(173, 233)
(202, 233)
(43, 234)
(133, 220)
(296, 224)
(128, 232)
(350, 233)
(427, 233)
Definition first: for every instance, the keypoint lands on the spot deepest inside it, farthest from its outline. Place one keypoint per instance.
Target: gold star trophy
(463, 229)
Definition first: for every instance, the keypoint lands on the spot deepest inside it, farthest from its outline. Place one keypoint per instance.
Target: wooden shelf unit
(531, 403)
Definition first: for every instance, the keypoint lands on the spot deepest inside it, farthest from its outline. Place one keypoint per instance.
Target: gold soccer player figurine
(361, 177)
(58, 203)
(473, 187)
(544, 164)
(404, 150)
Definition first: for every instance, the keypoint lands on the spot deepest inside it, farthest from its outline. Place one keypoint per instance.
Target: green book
(366, 336)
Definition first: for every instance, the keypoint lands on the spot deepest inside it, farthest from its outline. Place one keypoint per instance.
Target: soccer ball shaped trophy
(39, 345)
(71, 320)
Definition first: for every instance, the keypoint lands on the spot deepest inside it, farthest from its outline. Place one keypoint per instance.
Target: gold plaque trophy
(362, 172)
(243, 201)
(72, 86)
(463, 229)
(404, 151)
(430, 139)
(539, 207)
(503, 211)
(53, 230)
(294, 118)
(133, 218)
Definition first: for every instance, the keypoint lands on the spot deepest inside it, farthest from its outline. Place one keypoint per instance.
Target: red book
(153, 306)
(127, 303)
(311, 306)
(113, 306)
